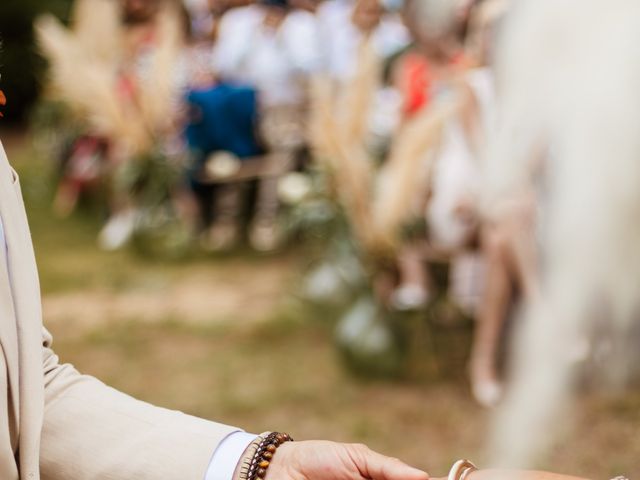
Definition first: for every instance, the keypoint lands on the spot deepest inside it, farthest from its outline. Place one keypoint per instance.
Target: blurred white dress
(457, 183)
(456, 173)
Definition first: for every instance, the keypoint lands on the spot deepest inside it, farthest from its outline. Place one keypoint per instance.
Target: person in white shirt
(344, 24)
(270, 47)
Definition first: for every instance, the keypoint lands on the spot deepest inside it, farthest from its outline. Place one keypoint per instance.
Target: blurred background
(267, 214)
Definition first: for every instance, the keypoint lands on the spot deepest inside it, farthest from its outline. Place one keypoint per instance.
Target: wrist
(247, 455)
(283, 463)
(257, 459)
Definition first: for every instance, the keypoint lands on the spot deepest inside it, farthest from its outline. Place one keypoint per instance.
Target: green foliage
(369, 341)
(21, 67)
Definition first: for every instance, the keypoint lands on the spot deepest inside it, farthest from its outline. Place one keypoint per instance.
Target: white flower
(293, 188)
(222, 165)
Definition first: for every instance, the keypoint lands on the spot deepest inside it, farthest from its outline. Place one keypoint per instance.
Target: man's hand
(320, 460)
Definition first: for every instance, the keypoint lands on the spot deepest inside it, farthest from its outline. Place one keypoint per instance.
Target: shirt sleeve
(226, 457)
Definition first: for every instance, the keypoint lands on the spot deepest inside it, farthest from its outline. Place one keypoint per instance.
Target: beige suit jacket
(56, 424)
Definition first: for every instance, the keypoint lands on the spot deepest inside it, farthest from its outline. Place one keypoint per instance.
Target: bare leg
(225, 231)
(264, 235)
(188, 209)
(122, 216)
(66, 198)
(492, 316)
(510, 247)
(413, 288)
(524, 256)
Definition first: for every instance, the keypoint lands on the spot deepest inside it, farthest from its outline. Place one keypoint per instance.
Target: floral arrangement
(120, 85)
(380, 199)
(86, 63)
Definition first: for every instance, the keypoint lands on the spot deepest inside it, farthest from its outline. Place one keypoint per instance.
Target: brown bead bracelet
(257, 467)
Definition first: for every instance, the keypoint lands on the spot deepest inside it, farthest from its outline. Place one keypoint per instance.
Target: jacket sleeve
(94, 432)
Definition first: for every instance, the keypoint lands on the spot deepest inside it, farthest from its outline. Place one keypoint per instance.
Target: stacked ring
(461, 470)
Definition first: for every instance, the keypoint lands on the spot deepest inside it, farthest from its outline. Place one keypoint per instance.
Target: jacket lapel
(25, 293)
(8, 330)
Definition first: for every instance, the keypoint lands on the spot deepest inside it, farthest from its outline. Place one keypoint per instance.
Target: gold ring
(461, 469)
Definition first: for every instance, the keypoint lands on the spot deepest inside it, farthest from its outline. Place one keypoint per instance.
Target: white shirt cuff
(226, 457)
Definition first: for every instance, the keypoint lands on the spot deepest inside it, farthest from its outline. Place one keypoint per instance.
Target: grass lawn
(225, 339)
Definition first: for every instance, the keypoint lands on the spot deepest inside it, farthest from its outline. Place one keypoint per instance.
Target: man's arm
(227, 459)
(92, 431)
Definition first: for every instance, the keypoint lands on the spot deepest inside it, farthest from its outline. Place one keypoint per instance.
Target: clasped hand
(322, 460)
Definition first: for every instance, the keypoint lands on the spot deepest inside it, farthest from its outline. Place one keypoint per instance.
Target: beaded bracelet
(257, 467)
(461, 469)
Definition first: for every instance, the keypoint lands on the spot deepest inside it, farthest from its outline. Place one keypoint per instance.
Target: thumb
(374, 466)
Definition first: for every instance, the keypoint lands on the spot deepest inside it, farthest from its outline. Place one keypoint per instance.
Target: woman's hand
(514, 475)
(320, 460)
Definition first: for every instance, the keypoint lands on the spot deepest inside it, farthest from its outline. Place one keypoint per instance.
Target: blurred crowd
(210, 118)
(224, 85)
